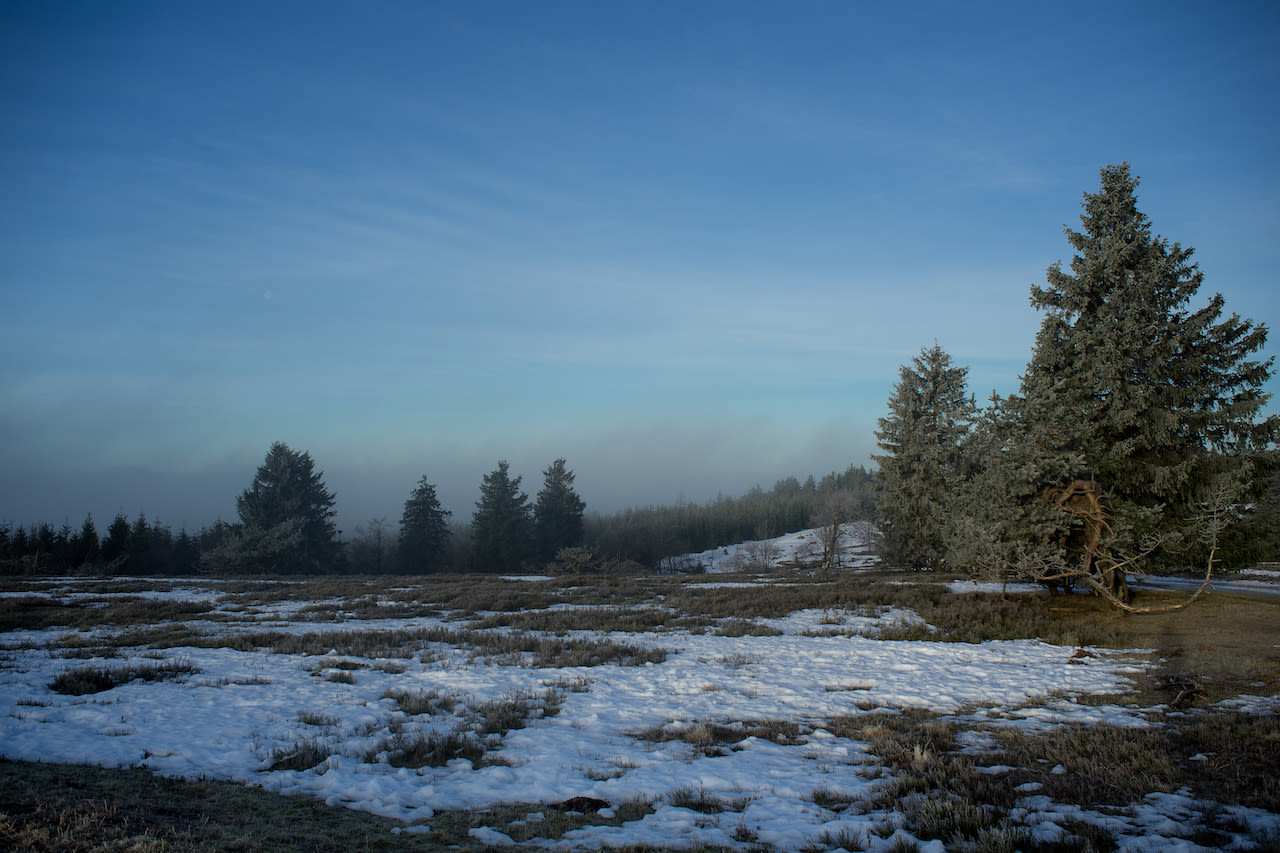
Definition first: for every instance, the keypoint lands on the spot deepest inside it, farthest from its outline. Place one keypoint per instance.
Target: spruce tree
(424, 531)
(287, 494)
(922, 436)
(85, 544)
(502, 526)
(1134, 405)
(557, 515)
(115, 547)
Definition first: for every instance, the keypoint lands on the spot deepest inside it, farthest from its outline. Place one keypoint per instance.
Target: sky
(685, 246)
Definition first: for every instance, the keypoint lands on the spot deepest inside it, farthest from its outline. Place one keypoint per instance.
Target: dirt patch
(1228, 643)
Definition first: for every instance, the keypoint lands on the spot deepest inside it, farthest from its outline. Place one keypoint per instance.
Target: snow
(243, 709)
(989, 586)
(798, 548)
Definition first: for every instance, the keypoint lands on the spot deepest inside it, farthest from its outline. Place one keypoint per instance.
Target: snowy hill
(800, 549)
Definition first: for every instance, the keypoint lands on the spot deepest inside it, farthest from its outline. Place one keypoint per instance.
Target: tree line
(1136, 439)
(286, 525)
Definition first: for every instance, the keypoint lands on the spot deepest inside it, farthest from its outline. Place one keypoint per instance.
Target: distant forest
(634, 539)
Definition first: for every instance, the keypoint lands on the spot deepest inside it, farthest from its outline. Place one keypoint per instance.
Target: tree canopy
(558, 513)
(1136, 431)
(288, 507)
(424, 531)
(502, 526)
(930, 412)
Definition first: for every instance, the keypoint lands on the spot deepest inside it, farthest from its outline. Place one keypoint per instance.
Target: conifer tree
(502, 526)
(115, 547)
(557, 515)
(922, 436)
(287, 495)
(424, 531)
(85, 544)
(1134, 404)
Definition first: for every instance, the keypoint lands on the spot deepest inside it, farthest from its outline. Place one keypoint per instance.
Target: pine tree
(923, 435)
(1133, 405)
(115, 547)
(424, 531)
(287, 492)
(557, 515)
(186, 553)
(85, 545)
(502, 526)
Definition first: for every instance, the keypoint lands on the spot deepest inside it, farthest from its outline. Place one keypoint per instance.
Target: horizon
(686, 249)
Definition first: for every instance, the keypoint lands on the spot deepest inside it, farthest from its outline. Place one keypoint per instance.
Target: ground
(762, 710)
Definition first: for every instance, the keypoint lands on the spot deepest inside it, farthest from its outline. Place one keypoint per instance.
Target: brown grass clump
(40, 613)
(711, 739)
(95, 679)
(82, 809)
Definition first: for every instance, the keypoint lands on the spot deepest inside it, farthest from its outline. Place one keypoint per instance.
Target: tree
(424, 531)
(557, 515)
(923, 436)
(186, 553)
(502, 526)
(287, 493)
(85, 545)
(370, 549)
(1137, 416)
(115, 547)
(834, 523)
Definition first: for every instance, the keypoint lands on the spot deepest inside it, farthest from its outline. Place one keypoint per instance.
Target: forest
(506, 533)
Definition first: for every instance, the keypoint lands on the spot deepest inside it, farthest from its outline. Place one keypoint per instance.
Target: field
(745, 710)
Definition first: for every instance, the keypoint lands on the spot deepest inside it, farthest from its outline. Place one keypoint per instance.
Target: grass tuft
(96, 679)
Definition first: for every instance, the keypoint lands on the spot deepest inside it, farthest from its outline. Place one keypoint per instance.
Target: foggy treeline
(636, 539)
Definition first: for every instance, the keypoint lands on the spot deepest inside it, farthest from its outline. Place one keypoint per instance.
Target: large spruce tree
(502, 526)
(1135, 405)
(557, 515)
(922, 436)
(288, 506)
(424, 531)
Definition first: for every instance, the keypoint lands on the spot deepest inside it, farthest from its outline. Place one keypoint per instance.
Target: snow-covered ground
(240, 710)
(801, 548)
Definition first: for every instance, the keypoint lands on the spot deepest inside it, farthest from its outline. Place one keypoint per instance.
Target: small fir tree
(502, 526)
(85, 545)
(923, 437)
(287, 493)
(424, 531)
(115, 547)
(558, 512)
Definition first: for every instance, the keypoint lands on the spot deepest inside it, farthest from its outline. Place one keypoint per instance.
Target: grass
(713, 739)
(79, 809)
(481, 731)
(698, 800)
(940, 793)
(300, 755)
(428, 749)
(417, 703)
(96, 679)
(1221, 647)
(504, 647)
(40, 613)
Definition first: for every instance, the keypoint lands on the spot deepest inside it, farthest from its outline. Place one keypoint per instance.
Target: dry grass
(40, 613)
(392, 644)
(711, 739)
(79, 809)
(1227, 759)
(1221, 647)
(95, 679)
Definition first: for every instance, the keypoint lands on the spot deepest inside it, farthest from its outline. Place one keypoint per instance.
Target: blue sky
(684, 245)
